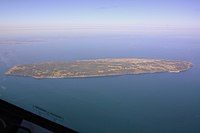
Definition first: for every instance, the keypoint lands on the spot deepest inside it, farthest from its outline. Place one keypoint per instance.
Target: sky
(82, 13)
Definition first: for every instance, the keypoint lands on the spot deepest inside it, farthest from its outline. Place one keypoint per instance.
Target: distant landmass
(98, 67)
(16, 42)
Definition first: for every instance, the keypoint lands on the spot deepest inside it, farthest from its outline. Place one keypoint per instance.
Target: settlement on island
(98, 67)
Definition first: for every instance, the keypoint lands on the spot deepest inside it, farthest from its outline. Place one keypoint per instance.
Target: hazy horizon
(94, 13)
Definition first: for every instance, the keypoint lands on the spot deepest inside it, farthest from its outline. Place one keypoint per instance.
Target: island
(98, 67)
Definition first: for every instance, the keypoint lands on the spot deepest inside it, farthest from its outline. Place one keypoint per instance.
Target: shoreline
(98, 68)
(96, 76)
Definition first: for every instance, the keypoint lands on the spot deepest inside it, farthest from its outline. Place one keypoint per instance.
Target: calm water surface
(149, 103)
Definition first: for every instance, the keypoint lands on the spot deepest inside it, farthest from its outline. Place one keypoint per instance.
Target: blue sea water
(147, 103)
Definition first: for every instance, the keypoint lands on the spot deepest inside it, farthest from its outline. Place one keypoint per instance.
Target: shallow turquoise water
(153, 103)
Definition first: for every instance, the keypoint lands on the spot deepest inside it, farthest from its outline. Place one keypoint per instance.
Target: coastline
(95, 76)
(98, 68)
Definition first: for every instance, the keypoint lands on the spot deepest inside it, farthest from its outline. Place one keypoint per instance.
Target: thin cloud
(108, 7)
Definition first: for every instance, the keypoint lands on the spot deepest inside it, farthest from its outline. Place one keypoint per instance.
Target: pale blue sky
(28, 13)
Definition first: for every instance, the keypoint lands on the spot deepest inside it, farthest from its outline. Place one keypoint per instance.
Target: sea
(145, 103)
